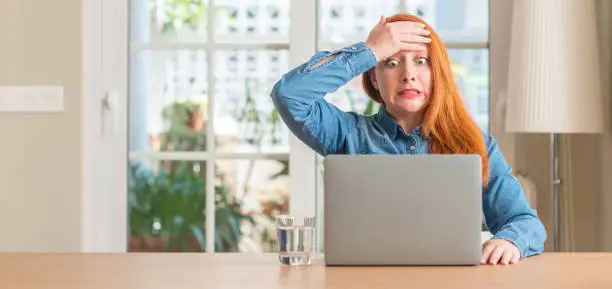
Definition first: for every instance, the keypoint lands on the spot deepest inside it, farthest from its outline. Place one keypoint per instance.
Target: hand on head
(402, 77)
(386, 39)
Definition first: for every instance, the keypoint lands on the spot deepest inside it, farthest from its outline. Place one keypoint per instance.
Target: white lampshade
(554, 79)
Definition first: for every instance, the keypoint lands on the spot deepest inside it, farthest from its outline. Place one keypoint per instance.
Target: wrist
(373, 49)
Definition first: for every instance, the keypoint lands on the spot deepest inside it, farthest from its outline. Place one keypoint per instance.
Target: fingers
(413, 42)
(382, 20)
(416, 35)
(486, 253)
(506, 257)
(496, 255)
(406, 25)
(499, 251)
(411, 38)
(410, 30)
(515, 259)
(415, 31)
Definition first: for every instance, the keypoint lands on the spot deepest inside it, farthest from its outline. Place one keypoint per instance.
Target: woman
(405, 68)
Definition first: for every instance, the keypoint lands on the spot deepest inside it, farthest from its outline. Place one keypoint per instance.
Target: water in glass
(295, 241)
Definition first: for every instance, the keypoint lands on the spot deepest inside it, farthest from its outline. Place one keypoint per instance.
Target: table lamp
(554, 80)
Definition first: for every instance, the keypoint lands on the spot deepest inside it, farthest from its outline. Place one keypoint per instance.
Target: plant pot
(151, 243)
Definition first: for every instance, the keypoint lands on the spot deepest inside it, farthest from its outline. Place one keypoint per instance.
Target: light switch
(31, 98)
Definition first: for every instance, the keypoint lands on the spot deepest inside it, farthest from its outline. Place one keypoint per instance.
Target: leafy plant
(167, 204)
(185, 124)
(171, 208)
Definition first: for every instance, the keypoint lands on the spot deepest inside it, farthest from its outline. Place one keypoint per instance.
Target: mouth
(409, 93)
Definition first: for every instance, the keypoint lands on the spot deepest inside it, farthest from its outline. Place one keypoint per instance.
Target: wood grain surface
(225, 271)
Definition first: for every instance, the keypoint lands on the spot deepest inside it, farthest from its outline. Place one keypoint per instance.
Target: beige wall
(40, 175)
(589, 188)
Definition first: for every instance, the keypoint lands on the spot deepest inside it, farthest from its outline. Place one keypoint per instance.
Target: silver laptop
(402, 210)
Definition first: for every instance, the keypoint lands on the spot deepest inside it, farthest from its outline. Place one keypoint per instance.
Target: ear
(372, 76)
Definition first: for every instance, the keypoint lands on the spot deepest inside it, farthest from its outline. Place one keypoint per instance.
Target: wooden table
(236, 271)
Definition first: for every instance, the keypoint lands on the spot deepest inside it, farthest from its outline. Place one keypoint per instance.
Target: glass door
(208, 153)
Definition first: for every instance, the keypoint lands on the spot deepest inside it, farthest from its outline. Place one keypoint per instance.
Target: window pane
(352, 20)
(471, 71)
(168, 20)
(168, 97)
(166, 202)
(455, 20)
(258, 189)
(252, 17)
(245, 117)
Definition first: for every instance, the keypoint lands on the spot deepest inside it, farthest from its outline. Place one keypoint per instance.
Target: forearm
(510, 217)
(526, 232)
(324, 73)
(507, 211)
(299, 96)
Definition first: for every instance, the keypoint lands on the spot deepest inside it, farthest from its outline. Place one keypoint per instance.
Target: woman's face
(404, 82)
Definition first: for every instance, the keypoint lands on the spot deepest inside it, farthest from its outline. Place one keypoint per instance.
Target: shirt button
(354, 48)
(412, 148)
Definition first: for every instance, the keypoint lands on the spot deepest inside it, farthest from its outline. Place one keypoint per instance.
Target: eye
(392, 63)
(422, 60)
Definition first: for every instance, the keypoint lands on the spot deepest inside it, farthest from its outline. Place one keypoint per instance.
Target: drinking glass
(295, 241)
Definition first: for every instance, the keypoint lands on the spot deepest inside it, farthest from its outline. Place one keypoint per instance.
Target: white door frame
(104, 126)
(302, 159)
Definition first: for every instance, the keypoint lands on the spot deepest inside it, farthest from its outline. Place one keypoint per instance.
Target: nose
(407, 78)
(409, 74)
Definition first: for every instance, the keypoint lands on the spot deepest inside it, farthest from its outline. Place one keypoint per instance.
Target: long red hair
(446, 122)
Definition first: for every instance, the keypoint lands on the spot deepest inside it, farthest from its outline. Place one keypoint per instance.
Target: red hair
(446, 122)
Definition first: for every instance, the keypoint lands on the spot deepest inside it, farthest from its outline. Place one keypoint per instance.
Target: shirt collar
(391, 126)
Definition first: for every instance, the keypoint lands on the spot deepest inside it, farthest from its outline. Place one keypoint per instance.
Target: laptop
(402, 210)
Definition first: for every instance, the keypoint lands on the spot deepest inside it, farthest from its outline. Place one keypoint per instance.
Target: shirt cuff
(360, 57)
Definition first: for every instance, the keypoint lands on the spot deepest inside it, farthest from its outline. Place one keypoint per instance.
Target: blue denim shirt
(299, 98)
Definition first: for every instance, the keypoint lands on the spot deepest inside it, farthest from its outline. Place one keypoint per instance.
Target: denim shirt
(299, 98)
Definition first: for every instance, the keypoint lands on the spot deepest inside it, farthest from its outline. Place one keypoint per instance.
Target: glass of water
(295, 241)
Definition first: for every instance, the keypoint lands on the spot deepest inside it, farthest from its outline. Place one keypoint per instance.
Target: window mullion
(302, 159)
(403, 7)
(204, 156)
(210, 133)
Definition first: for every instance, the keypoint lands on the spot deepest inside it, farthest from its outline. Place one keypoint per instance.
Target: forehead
(412, 53)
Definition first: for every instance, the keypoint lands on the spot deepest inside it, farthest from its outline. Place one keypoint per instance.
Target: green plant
(167, 204)
(171, 207)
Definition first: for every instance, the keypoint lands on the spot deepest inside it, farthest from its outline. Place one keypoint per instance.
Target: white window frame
(105, 155)
(104, 126)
